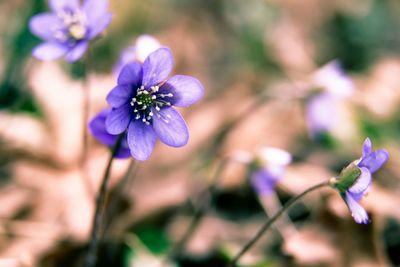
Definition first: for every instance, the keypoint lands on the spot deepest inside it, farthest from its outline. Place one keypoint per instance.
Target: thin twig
(269, 222)
(91, 255)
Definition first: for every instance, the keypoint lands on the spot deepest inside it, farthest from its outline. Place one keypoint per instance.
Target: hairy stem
(268, 223)
(91, 255)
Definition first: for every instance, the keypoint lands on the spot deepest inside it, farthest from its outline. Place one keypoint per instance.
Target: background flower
(271, 164)
(142, 104)
(68, 28)
(322, 108)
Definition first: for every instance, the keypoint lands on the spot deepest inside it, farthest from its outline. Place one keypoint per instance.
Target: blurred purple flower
(322, 108)
(142, 104)
(68, 28)
(354, 191)
(270, 166)
(97, 127)
(145, 44)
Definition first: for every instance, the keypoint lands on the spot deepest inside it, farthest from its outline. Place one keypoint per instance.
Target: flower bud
(347, 177)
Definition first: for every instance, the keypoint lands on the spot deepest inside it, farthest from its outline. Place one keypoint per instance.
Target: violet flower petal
(49, 51)
(367, 147)
(77, 52)
(141, 140)
(94, 10)
(373, 161)
(170, 127)
(362, 182)
(124, 151)
(320, 112)
(59, 5)
(39, 25)
(186, 90)
(357, 211)
(118, 119)
(263, 182)
(119, 95)
(97, 127)
(157, 67)
(99, 25)
(131, 74)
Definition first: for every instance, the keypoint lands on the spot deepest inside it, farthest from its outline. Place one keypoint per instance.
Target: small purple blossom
(321, 113)
(270, 165)
(144, 45)
(97, 127)
(322, 109)
(369, 163)
(142, 104)
(68, 28)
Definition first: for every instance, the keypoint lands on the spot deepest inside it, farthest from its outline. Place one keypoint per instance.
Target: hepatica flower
(268, 169)
(355, 180)
(143, 104)
(68, 28)
(333, 86)
(97, 127)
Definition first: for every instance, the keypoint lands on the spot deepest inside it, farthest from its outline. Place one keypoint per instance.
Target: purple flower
(97, 127)
(322, 109)
(321, 113)
(142, 104)
(355, 181)
(68, 28)
(270, 165)
(145, 44)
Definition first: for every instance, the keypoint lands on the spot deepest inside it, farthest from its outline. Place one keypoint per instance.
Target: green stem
(91, 256)
(268, 223)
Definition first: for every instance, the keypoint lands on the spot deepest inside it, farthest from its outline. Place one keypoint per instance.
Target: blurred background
(257, 60)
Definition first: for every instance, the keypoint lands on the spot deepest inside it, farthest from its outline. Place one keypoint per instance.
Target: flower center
(147, 103)
(77, 31)
(73, 26)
